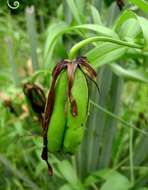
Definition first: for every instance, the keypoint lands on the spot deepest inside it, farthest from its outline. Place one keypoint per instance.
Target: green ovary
(58, 120)
(75, 125)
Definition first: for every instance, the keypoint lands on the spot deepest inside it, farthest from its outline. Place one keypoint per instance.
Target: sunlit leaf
(65, 187)
(113, 180)
(123, 18)
(129, 74)
(142, 4)
(95, 15)
(127, 31)
(68, 172)
(144, 26)
(116, 181)
(102, 30)
(52, 33)
(75, 11)
(105, 54)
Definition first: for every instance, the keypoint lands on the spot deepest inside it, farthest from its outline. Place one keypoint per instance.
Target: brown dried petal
(58, 68)
(71, 68)
(50, 101)
(45, 156)
(87, 68)
(48, 111)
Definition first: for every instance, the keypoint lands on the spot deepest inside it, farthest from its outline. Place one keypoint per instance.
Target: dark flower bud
(35, 97)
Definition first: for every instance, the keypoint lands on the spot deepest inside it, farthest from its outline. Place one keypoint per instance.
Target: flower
(70, 66)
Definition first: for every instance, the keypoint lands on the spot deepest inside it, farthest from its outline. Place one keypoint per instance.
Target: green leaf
(143, 23)
(80, 5)
(100, 50)
(142, 4)
(95, 15)
(144, 26)
(68, 172)
(127, 31)
(123, 18)
(102, 30)
(95, 177)
(69, 187)
(142, 188)
(66, 187)
(75, 11)
(116, 181)
(5, 77)
(113, 180)
(57, 30)
(105, 54)
(125, 24)
(52, 33)
(129, 74)
(91, 180)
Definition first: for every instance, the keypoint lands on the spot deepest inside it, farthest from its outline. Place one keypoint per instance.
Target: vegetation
(113, 35)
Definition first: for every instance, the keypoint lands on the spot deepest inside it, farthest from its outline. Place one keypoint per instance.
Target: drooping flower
(71, 67)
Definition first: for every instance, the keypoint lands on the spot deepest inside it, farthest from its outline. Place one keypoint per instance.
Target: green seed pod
(75, 124)
(58, 119)
(66, 107)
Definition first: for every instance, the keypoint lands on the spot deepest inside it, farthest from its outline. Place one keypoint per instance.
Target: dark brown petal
(71, 68)
(87, 68)
(50, 101)
(57, 69)
(48, 111)
(45, 156)
(49, 106)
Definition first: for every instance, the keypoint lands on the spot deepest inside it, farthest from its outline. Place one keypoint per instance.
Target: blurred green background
(33, 38)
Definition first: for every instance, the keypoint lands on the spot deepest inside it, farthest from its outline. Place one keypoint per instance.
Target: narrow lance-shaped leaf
(129, 74)
(142, 4)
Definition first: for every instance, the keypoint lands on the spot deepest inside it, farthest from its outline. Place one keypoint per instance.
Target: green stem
(131, 155)
(145, 168)
(118, 118)
(75, 48)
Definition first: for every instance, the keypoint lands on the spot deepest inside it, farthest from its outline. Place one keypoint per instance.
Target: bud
(66, 107)
(35, 97)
